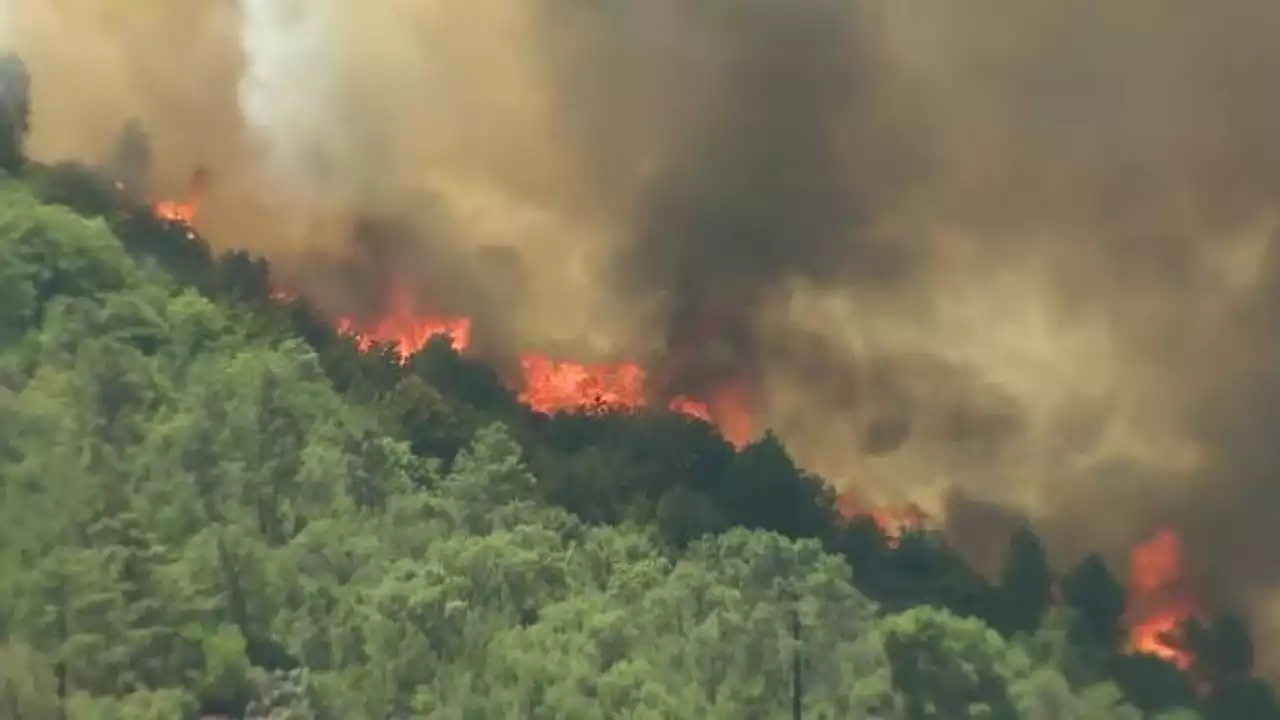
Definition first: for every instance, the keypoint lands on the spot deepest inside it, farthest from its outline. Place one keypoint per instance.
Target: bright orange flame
(554, 385)
(1157, 602)
(726, 408)
(184, 211)
(551, 385)
(409, 335)
(174, 211)
(404, 330)
(1157, 606)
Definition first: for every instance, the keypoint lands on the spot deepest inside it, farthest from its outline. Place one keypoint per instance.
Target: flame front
(405, 330)
(548, 384)
(1157, 603)
(555, 385)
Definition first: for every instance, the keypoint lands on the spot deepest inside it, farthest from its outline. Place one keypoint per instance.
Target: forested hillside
(214, 504)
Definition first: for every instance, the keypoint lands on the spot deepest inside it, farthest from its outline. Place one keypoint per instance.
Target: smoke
(762, 187)
(289, 94)
(7, 12)
(1007, 258)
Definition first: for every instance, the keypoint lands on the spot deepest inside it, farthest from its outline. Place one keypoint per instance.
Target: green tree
(28, 684)
(1025, 585)
(1098, 599)
(15, 111)
(951, 667)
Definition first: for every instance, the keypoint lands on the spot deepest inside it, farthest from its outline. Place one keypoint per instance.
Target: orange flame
(1157, 601)
(726, 408)
(554, 385)
(551, 385)
(184, 212)
(891, 521)
(403, 329)
(548, 385)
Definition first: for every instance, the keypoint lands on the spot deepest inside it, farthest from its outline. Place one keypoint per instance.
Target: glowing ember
(1157, 600)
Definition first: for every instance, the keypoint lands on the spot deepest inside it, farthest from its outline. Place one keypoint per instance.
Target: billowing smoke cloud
(290, 94)
(7, 13)
(1020, 249)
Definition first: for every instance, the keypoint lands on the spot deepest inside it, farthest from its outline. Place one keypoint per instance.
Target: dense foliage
(214, 505)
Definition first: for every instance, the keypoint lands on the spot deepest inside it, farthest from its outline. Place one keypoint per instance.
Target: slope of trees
(214, 505)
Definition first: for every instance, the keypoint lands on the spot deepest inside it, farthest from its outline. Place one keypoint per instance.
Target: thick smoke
(291, 96)
(1017, 252)
(7, 13)
(761, 188)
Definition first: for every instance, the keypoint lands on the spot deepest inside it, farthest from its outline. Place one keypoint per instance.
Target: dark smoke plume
(760, 190)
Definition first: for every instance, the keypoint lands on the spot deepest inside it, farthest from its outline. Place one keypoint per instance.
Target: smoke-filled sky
(1018, 249)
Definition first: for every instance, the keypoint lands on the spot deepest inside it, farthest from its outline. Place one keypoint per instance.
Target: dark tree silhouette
(1025, 584)
(15, 112)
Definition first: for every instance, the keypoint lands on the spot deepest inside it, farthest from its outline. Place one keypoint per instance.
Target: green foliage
(951, 667)
(1098, 599)
(213, 504)
(1026, 583)
(28, 684)
(15, 112)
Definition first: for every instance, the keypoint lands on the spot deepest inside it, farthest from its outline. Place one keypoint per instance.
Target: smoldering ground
(1020, 248)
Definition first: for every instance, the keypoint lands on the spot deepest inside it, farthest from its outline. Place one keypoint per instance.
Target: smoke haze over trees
(216, 505)
(1012, 263)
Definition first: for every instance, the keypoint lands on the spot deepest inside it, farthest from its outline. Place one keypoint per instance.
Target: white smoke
(290, 93)
(8, 23)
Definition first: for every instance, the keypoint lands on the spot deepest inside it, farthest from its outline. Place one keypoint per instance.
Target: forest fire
(555, 385)
(404, 330)
(892, 521)
(548, 385)
(1156, 599)
(184, 211)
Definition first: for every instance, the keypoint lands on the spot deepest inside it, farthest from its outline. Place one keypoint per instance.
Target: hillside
(217, 504)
